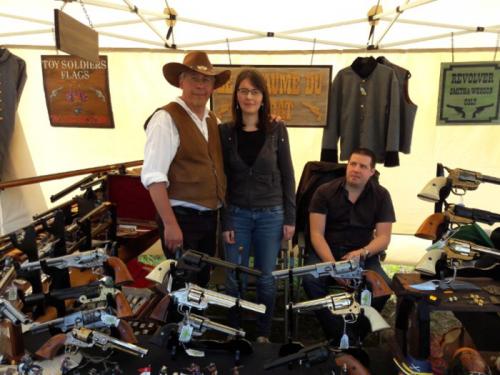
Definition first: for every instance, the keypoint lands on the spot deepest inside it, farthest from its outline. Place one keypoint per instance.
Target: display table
(414, 308)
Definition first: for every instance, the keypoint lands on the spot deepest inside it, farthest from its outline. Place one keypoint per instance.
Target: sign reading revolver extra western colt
(346, 269)
(469, 93)
(199, 298)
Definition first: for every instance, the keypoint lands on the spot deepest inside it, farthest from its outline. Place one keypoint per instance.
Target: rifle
(85, 338)
(100, 291)
(85, 259)
(431, 227)
(192, 325)
(103, 207)
(344, 304)
(193, 296)
(463, 215)
(346, 269)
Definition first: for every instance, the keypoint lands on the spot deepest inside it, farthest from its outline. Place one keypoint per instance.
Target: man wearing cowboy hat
(183, 168)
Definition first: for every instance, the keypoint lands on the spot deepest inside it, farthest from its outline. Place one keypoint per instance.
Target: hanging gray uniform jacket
(12, 80)
(408, 109)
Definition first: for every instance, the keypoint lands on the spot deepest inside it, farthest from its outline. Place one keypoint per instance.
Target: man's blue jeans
(259, 229)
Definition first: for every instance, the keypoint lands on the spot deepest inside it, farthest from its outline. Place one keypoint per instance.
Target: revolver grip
(126, 332)
(122, 274)
(160, 311)
(123, 309)
(378, 285)
(51, 347)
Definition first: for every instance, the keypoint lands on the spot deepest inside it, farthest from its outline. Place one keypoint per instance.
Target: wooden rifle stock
(354, 367)
(430, 228)
(122, 274)
(123, 309)
(51, 347)
(160, 311)
(126, 332)
(377, 283)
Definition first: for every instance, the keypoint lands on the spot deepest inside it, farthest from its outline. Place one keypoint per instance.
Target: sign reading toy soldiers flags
(299, 94)
(77, 92)
(469, 93)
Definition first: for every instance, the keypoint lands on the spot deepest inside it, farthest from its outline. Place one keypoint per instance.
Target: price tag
(186, 333)
(366, 298)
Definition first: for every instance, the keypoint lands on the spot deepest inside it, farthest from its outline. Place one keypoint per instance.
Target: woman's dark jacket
(269, 182)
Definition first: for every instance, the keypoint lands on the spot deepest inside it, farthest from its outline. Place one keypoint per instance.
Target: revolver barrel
(200, 323)
(340, 303)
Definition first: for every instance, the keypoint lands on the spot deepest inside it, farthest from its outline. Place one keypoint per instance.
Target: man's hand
(288, 232)
(228, 236)
(354, 254)
(173, 236)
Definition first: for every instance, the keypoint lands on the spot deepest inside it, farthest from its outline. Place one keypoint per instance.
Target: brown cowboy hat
(198, 62)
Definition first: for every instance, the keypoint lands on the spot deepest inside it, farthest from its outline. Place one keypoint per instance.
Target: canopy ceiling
(239, 25)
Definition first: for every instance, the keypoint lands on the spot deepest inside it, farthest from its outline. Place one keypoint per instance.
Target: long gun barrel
(200, 298)
(347, 269)
(95, 318)
(200, 324)
(9, 312)
(99, 209)
(196, 258)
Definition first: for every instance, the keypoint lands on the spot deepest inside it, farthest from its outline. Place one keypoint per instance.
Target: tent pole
(135, 10)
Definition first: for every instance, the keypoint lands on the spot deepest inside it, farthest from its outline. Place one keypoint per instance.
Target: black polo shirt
(350, 226)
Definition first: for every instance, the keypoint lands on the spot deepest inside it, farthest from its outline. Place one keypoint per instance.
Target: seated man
(349, 217)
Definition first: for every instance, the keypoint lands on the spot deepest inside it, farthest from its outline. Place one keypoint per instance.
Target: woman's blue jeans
(259, 229)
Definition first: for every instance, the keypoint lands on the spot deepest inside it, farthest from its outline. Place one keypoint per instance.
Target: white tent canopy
(337, 32)
(260, 24)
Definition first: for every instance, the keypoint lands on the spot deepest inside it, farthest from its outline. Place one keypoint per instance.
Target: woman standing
(260, 201)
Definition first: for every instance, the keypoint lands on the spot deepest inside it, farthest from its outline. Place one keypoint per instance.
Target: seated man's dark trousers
(333, 325)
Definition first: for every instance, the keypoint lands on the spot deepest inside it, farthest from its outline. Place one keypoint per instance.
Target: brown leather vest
(196, 174)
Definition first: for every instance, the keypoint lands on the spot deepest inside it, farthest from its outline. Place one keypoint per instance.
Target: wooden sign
(75, 38)
(299, 94)
(77, 92)
(469, 93)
